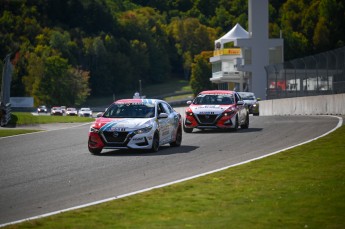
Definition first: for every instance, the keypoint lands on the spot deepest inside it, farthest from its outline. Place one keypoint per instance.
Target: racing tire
(178, 139)
(246, 124)
(155, 143)
(95, 151)
(236, 123)
(187, 130)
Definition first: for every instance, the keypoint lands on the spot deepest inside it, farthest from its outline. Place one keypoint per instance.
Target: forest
(67, 51)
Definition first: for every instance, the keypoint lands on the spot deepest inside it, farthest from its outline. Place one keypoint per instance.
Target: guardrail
(5, 114)
(309, 105)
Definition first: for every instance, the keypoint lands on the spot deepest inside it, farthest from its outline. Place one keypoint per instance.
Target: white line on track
(340, 122)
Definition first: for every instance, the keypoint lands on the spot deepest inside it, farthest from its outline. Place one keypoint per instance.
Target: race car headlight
(143, 130)
(93, 129)
(189, 112)
(228, 112)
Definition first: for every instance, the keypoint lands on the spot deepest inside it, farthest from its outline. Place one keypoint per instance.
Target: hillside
(69, 51)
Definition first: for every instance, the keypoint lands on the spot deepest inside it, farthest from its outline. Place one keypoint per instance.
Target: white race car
(136, 124)
(85, 112)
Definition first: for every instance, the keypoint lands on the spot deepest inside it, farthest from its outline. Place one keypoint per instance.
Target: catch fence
(319, 74)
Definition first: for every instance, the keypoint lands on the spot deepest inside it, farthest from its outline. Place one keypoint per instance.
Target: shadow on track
(163, 150)
(217, 131)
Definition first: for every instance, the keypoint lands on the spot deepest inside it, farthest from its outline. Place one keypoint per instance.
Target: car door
(173, 120)
(164, 125)
(242, 111)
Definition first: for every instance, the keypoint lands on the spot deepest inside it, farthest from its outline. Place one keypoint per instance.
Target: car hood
(251, 102)
(123, 124)
(209, 109)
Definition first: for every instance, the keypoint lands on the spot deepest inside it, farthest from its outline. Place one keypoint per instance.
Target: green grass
(19, 119)
(302, 187)
(172, 86)
(25, 118)
(179, 97)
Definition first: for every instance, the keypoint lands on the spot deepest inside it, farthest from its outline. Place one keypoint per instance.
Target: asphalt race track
(53, 170)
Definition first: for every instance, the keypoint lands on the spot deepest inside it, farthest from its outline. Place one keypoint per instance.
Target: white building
(243, 66)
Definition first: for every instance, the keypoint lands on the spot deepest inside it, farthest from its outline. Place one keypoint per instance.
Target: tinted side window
(237, 97)
(167, 108)
(160, 109)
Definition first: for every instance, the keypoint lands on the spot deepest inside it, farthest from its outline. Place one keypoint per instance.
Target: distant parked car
(71, 111)
(56, 111)
(63, 108)
(85, 112)
(42, 109)
(251, 101)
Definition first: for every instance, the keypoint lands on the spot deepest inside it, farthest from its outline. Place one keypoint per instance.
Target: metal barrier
(5, 114)
(5, 106)
(319, 74)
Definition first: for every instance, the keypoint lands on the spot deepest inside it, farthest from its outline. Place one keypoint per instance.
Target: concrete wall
(311, 105)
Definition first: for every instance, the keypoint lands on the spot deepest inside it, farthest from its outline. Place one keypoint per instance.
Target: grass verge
(25, 118)
(172, 86)
(302, 187)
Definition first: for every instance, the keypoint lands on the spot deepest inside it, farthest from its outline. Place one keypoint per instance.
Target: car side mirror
(189, 102)
(99, 114)
(240, 103)
(162, 115)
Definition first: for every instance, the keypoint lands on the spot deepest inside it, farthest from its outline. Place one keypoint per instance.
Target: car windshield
(247, 96)
(130, 110)
(220, 99)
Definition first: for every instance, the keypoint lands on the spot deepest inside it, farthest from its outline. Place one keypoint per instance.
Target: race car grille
(114, 137)
(206, 119)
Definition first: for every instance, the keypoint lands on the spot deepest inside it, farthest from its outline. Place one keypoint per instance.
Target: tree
(50, 80)
(190, 38)
(201, 73)
(78, 82)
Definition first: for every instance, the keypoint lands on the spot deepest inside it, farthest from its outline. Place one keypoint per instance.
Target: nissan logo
(116, 134)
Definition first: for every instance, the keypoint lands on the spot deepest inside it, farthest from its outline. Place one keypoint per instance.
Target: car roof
(149, 101)
(246, 92)
(217, 92)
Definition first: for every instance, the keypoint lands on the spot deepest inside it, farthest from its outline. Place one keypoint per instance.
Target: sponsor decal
(209, 106)
(115, 128)
(206, 112)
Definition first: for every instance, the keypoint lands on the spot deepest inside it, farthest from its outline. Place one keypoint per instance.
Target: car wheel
(236, 123)
(187, 130)
(95, 151)
(155, 143)
(246, 124)
(178, 139)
